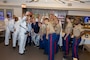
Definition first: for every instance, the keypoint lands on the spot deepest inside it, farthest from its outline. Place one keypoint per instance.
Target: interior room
(30, 45)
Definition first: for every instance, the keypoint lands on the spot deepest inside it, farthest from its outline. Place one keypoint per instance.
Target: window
(10, 12)
(1, 14)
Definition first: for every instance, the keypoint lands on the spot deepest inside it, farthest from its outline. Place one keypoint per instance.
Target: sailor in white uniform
(23, 33)
(16, 31)
(9, 28)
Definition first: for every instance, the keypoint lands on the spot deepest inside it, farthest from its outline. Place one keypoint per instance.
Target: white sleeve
(23, 19)
(6, 22)
(11, 25)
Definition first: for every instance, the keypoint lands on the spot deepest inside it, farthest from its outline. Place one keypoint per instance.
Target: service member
(68, 31)
(51, 37)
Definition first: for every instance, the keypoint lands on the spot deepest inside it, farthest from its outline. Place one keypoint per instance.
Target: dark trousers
(75, 45)
(45, 46)
(51, 41)
(28, 40)
(42, 42)
(56, 44)
(66, 45)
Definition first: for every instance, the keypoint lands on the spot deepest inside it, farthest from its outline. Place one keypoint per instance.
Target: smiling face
(51, 16)
(76, 22)
(33, 20)
(57, 21)
(16, 18)
(46, 20)
(67, 20)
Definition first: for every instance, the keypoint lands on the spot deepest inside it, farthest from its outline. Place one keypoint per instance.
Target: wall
(79, 13)
(16, 10)
(47, 4)
(50, 4)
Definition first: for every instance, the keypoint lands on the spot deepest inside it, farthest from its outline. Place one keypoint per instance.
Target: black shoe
(37, 46)
(33, 43)
(14, 47)
(25, 50)
(21, 53)
(6, 45)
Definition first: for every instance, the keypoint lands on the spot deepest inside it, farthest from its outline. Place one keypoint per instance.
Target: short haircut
(16, 18)
(8, 15)
(78, 19)
(46, 19)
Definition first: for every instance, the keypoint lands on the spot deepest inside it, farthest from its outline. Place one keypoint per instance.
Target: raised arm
(27, 15)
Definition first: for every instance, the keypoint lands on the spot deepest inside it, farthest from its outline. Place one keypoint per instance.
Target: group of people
(44, 34)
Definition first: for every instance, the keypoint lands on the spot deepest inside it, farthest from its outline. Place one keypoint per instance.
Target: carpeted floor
(33, 53)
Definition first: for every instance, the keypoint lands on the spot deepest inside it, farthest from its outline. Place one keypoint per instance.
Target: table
(85, 40)
(86, 43)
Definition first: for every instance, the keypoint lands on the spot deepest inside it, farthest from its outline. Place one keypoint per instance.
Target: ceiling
(50, 4)
(24, 1)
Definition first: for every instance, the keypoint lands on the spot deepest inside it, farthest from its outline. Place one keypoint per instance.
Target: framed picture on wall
(10, 12)
(1, 14)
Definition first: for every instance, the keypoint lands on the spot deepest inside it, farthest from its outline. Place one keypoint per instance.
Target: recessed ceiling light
(23, 5)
